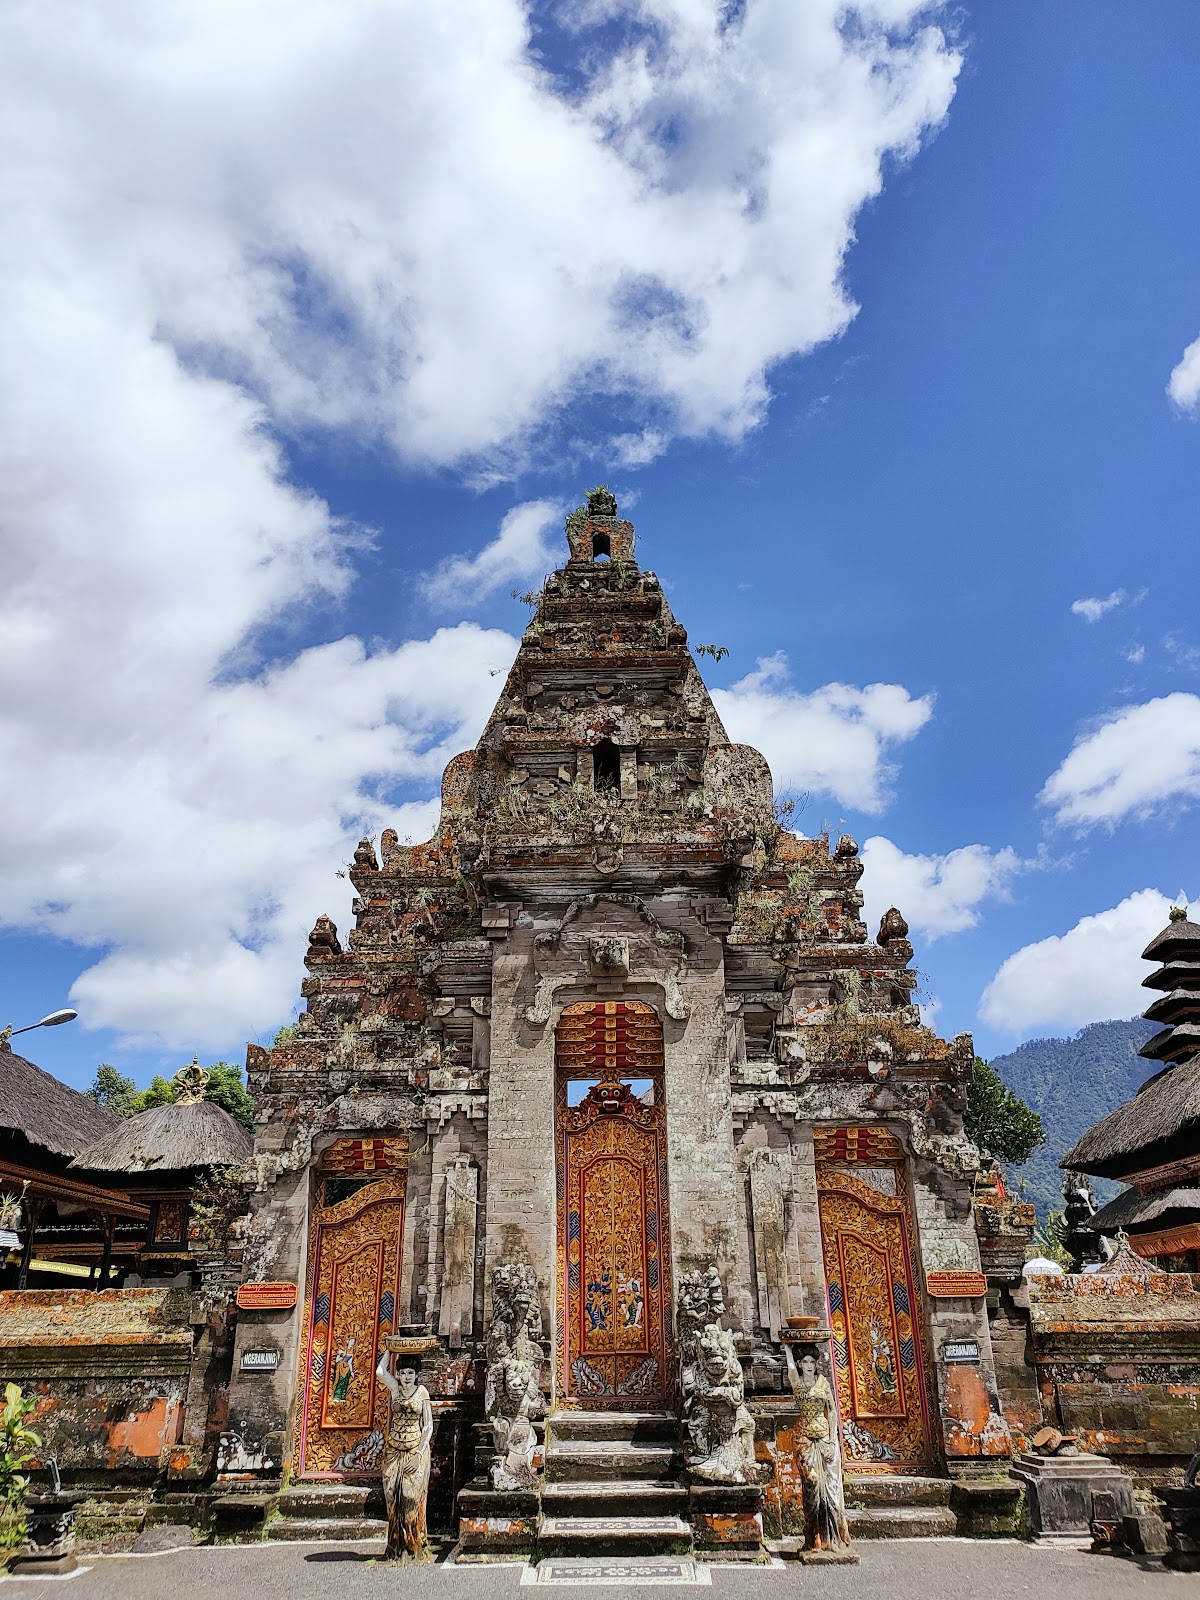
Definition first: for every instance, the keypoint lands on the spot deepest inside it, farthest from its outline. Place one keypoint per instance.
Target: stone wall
(110, 1372)
(1118, 1365)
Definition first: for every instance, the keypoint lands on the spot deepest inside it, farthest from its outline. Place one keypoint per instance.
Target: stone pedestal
(727, 1520)
(49, 1536)
(1060, 1490)
(1183, 1539)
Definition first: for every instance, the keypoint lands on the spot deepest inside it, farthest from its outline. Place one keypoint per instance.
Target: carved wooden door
(355, 1246)
(613, 1334)
(875, 1313)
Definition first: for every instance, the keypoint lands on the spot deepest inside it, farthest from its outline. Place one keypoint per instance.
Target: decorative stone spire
(596, 533)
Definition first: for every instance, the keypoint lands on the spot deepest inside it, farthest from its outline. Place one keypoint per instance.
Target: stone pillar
(521, 1199)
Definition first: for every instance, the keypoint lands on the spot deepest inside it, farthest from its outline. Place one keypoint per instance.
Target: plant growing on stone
(18, 1446)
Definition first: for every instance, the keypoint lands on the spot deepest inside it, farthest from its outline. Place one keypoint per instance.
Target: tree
(115, 1092)
(225, 1088)
(998, 1120)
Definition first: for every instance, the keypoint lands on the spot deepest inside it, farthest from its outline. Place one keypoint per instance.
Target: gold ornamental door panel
(614, 1347)
(875, 1315)
(353, 1286)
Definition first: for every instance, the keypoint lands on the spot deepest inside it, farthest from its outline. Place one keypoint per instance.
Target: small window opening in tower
(601, 549)
(606, 766)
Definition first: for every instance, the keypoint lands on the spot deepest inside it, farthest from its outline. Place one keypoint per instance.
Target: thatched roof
(1177, 1005)
(1172, 1043)
(48, 1113)
(1133, 1211)
(169, 1138)
(1174, 975)
(1179, 938)
(1140, 1134)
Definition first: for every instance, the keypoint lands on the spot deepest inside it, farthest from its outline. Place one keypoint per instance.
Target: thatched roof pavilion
(77, 1220)
(43, 1112)
(179, 1138)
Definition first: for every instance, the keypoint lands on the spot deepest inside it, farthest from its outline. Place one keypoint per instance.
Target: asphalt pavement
(914, 1569)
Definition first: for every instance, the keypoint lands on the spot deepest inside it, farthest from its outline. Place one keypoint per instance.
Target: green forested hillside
(1073, 1083)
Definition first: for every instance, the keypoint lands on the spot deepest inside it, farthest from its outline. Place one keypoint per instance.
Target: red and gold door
(614, 1347)
(875, 1315)
(355, 1245)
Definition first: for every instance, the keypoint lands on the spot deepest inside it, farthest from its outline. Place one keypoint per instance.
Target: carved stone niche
(608, 956)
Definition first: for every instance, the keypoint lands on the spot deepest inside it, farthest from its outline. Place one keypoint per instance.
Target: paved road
(916, 1569)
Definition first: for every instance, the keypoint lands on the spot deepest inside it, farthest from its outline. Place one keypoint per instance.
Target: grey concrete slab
(921, 1569)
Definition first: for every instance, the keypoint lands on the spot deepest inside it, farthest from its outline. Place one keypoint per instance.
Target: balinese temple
(1152, 1142)
(611, 1027)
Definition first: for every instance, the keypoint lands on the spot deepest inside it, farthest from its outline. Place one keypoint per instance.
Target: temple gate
(614, 1293)
(875, 1314)
(356, 1237)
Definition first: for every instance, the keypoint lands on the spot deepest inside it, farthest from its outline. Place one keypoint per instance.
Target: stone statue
(405, 1461)
(512, 1395)
(720, 1429)
(1080, 1237)
(819, 1457)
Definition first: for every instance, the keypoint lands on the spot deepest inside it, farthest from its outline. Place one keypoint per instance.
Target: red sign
(955, 1285)
(267, 1296)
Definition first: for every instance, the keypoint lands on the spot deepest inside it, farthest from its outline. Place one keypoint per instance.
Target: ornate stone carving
(770, 1181)
(461, 1194)
(512, 1396)
(719, 1446)
(323, 941)
(608, 956)
(891, 926)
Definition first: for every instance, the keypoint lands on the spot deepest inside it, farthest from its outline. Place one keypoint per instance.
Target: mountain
(1073, 1083)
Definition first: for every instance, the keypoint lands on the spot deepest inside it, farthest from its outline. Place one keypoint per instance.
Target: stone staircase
(612, 1485)
(330, 1511)
(898, 1507)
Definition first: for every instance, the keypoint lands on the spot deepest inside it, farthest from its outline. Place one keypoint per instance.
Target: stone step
(634, 1427)
(597, 1536)
(602, 1459)
(337, 1500)
(296, 1529)
(902, 1522)
(897, 1489)
(614, 1497)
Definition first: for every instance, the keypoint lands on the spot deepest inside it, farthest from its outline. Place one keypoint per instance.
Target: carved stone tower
(616, 1024)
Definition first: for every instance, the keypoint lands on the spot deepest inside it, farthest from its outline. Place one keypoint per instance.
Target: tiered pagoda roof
(1153, 1140)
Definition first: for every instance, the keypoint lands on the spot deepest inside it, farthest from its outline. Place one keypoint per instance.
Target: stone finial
(601, 503)
(847, 848)
(364, 855)
(891, 926)
(1179, 913)
(323, 941)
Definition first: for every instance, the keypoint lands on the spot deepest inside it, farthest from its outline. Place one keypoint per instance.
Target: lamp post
(54, 1020)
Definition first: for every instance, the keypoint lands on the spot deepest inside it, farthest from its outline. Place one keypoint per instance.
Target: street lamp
(54, 1020)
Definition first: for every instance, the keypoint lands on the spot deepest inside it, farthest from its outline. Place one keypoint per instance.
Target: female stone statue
(405, 1460)
(820, 1460)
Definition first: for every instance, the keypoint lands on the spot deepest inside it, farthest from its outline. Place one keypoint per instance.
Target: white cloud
(1091, 973)
(1137, 761)
(936, 894)
(385, 216)
(1093, 610)
(834, 741)
(527, 546)
(1183, 385)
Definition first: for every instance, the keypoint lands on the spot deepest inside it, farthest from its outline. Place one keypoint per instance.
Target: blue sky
(871, 330)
